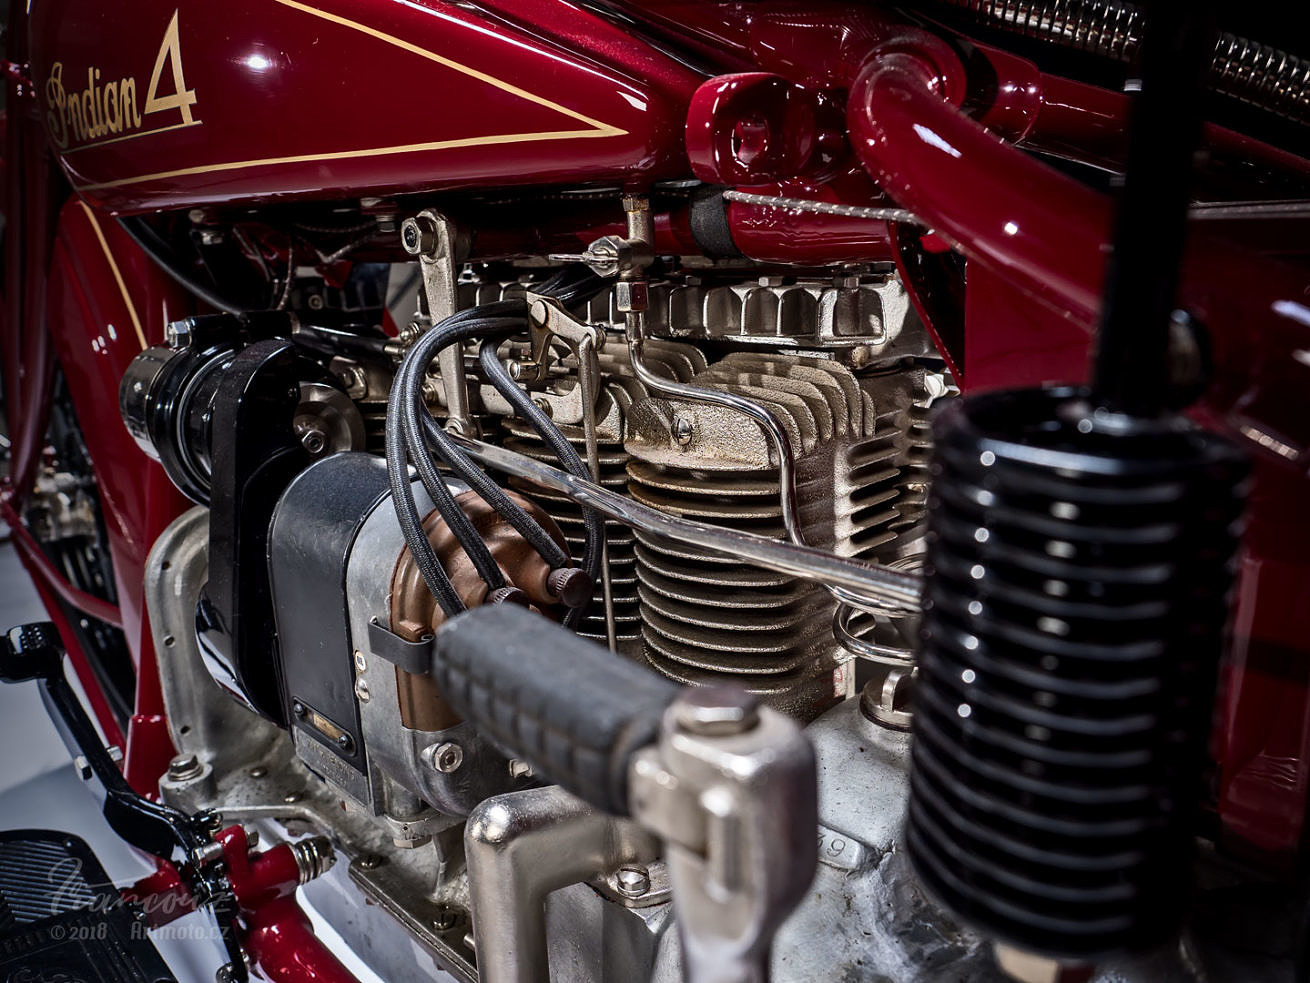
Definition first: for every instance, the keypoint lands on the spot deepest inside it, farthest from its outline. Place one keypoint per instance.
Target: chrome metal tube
(520, 847)
(890, 590)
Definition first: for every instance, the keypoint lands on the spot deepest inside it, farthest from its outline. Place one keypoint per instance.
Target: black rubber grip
(572, 710)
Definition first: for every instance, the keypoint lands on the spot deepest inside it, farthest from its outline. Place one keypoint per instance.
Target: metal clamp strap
(415, 657)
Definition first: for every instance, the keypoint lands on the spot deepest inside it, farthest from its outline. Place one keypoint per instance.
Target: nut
(716, 711)
(632, 880)
(447, 758)
(419, 235)
(184, 767)
(631, 296)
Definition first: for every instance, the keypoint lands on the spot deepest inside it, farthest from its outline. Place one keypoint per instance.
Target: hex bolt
(632, 880)
(298, 708)
(716, 711)
(447, 757)
(571, 585)
(184, 767)
(313, 439)
(419, 235)
(683, 429)
(178, 334)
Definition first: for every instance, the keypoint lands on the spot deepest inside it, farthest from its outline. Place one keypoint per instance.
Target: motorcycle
(560, 457)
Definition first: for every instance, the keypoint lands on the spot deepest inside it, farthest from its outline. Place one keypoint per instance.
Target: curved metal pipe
(519, 848)
(994, 203)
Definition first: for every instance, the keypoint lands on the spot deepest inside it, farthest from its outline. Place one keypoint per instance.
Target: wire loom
(414, 436)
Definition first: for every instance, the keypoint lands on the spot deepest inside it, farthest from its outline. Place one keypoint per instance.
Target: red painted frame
(1035, 239)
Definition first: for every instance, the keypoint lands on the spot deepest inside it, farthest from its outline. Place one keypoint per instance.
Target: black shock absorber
(1082, 549)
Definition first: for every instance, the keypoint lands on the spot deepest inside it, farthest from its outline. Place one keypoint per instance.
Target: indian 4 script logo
(106, 111)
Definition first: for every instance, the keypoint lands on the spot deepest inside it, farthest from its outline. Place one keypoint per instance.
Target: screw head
(259, 771)
(632, 880)
(298, 708)
(292, 797)
(683, 429)
(716, 711)
(445, 919)
(371, 861)
(361, 691)
(346, 743)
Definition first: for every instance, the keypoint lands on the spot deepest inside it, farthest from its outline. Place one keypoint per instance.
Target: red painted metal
(445, 96)
(161, 895)
(432, 96)
(276, 931)
(25, 349)
(86, 676)
(36, 560)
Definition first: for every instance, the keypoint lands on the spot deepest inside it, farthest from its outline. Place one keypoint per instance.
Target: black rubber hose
(493, 494)
(403, 496)
(1141, 282)
(526, 409)
(411, 523)
(158, 250)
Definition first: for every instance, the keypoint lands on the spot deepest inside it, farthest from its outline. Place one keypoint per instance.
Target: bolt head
(371, 861)
(716, 711)
(447, 757)
(683, 429)
(632, 880)
(346, 743)
(361, 691)
(298, 708)
(178, 334)
(419, 235)
(259, 771)
(314, 440)
(184, 766)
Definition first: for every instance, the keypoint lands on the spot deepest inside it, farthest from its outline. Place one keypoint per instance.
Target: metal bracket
(731, 788)
(548, 320)
(430, 236)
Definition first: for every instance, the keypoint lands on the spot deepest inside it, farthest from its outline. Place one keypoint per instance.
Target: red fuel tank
(165, 104)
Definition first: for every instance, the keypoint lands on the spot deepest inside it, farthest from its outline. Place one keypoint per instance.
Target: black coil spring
(1073, 624)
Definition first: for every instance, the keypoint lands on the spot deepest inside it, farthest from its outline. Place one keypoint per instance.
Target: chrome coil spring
(1241, 68)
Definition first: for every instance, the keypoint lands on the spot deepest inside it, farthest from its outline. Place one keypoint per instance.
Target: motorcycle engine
(734, 433)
